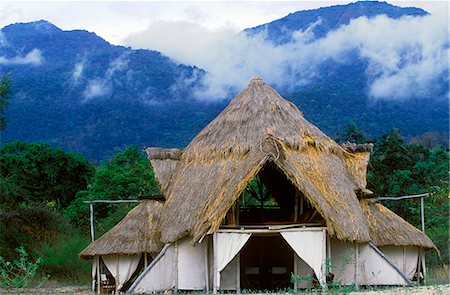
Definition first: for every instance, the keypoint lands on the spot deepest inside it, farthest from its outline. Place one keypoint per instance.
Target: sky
(405, 56)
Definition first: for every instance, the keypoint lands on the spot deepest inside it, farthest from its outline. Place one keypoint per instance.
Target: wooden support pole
(98, 275)
(214, 263)
(422, 217)
(91, 217)
(238, 274)
(206, 247)
(356, 266)
(295, 272)
(176, 267)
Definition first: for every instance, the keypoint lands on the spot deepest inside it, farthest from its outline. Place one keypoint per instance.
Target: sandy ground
(84, 290)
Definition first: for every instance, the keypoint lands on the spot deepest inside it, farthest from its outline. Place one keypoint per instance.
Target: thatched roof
(164, 162)
(137, 232)
(259, 126)
(389, 229)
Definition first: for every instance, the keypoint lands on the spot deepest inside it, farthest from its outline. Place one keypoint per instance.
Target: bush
(60, 259)
(19, 272)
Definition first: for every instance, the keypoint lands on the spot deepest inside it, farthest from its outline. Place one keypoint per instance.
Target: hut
(261, 195)
(127, 248)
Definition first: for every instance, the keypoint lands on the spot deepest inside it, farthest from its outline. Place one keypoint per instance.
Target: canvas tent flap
(161, 276)
(121, 267)
(228, 246)
(309, 246)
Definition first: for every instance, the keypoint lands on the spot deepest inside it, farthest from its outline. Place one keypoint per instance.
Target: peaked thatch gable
(389, 229)
(260, 126)
(136, 233)
(164, 162)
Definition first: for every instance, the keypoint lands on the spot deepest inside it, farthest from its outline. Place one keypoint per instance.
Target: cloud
(102, 86)
(184, 41)
(405, 57)
(77, 72)
(34, 57)
(96, 88)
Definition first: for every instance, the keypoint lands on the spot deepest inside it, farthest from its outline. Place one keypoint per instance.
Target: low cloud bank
(404, 57)
(34, 57)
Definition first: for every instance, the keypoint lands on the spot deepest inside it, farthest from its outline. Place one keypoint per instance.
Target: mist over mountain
(338, 64)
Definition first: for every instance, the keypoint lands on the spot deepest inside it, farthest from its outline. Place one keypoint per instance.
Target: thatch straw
(389, 229)
(164, 162)
(259, 126)
(137, 232)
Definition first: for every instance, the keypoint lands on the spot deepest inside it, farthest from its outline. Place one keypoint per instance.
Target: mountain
(74, 90)
(339, 94)
(329, 18)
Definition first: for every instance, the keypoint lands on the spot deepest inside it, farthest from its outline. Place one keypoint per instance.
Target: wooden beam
(110, 201)
(403, 197)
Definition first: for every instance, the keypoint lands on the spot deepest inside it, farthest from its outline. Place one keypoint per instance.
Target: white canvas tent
(260, 194)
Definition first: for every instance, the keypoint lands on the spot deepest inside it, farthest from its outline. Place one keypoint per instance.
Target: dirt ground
(85, 290)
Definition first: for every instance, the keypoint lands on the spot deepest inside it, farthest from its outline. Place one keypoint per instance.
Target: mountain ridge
(75, 90)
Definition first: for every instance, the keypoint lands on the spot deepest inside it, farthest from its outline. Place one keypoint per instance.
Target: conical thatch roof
(164, 162)
(389, 229)
(260, 126)
(137, 232)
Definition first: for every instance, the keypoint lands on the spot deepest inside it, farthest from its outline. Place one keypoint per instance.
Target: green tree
(352, 134)
(128, 175)
(36, 172)
(397, 168)
(5, 86)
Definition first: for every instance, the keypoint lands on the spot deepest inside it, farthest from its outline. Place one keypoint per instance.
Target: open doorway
(267, 263)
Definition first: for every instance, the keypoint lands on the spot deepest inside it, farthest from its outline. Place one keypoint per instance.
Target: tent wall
(343, 262)
(191, 265)
(374, 270)
(162, 276)
(405, 257)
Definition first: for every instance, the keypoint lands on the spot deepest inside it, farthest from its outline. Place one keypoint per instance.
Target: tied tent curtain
(121, 267)
(94, 271)
(228, 246)
(309, 246)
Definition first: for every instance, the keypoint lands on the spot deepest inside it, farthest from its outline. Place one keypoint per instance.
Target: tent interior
(271, 199)
(266, 263)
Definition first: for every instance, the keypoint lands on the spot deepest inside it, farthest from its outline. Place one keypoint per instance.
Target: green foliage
(19, 272)
(28, 226)
(352, 134)
(397, 168)
(5, 92)
(60, 259)
(37, 172)
(127, 175)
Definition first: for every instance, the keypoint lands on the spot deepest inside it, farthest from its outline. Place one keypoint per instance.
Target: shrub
(19, 272)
